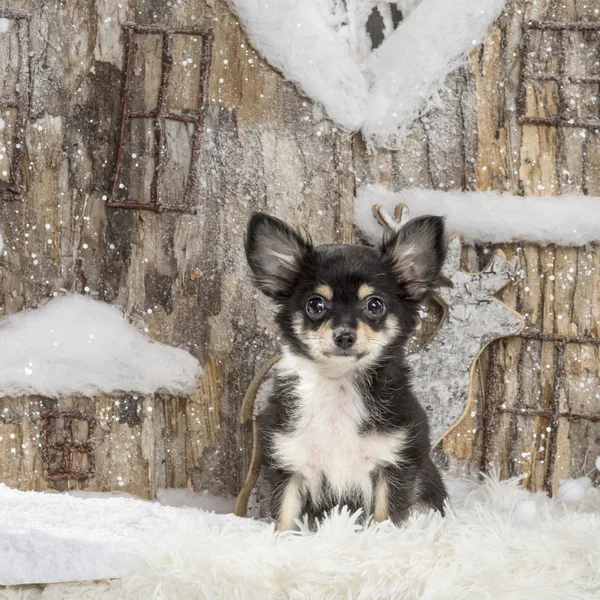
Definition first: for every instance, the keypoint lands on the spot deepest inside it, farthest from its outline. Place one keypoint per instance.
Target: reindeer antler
(391, 224)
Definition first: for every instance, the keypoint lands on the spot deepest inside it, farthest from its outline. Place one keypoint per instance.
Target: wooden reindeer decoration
(444, 369)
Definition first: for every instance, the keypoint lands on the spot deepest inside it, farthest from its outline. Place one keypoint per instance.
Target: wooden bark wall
(475, 141)
(266, 147)
(132, 447)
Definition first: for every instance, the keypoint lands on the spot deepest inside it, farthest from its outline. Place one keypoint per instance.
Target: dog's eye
(315, 307)
(375, 306)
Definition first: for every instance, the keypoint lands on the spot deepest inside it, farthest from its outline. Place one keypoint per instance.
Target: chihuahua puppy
(342, 426)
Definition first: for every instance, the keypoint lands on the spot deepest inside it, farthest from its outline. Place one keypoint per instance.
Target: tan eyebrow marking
(325, 291)
(365, 290)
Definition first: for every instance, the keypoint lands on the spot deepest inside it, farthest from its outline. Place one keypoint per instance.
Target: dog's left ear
(276, 254)
(417, 252)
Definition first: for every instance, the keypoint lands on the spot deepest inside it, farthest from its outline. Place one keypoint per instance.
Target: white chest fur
(324, 439)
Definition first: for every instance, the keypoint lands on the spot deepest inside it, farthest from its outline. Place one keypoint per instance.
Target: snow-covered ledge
(74, 345)
(489, 217)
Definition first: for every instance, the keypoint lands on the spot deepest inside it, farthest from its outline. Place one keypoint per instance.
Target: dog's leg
(290, 505)
(402, 490)
(382, 498)
(431, 486)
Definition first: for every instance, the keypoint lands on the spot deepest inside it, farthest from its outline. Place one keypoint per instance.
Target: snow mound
(52, 537)
(323, 47)
(73, 345)
(489, 217)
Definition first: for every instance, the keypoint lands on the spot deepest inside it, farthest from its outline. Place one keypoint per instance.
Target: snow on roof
(323, 47)
(490, 217)
(73, 345)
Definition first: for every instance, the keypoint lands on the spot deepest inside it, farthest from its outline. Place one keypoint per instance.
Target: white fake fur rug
(497, 541)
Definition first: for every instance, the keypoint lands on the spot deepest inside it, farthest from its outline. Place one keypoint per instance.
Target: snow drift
(489, 217)
(76, 345)
(81, 536)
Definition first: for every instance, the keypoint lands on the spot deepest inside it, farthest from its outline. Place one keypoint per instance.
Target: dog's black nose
(344, 339)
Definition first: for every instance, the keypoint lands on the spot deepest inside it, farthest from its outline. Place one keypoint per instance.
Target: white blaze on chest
(324, 438)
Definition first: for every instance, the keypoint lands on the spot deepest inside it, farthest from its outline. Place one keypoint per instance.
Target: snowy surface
(324, 48)
(497, 540)
(52, 537)
(76, 345)
(488, 217)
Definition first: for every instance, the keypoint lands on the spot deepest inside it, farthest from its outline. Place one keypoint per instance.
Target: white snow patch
(324, 48)
(597, 463)
(2, 123)
(52, 537)
(489, 217)
(526, 509)
(75, 345)
(4, 25)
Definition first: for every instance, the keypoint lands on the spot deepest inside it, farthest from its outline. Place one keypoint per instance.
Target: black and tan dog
(342, 426)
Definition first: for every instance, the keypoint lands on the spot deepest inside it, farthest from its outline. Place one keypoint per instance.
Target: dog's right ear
(275, 253)
(417, 252)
